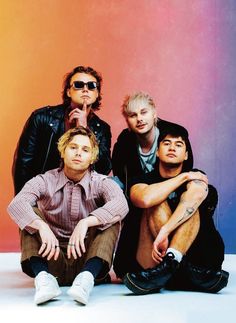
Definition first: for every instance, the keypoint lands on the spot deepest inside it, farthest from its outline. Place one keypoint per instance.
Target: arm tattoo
(188, 211)
(198, 181)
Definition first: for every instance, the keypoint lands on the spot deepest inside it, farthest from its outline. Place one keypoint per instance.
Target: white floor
(113, 303)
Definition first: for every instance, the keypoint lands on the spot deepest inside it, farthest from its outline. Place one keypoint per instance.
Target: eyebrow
(177, 141)
(83, 146)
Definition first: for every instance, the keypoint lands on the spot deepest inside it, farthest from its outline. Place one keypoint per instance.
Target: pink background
(181, 52)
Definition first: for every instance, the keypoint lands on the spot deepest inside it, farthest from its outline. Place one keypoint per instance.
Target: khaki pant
(97, 243)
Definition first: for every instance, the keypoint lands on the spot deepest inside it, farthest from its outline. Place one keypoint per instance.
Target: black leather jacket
(37, 152)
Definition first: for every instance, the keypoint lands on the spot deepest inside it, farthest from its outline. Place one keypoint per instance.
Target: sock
(94, 266)
(178, 255)
(38, 264)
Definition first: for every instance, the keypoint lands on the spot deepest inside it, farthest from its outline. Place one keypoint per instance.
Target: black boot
(153, 279)
(207, 280)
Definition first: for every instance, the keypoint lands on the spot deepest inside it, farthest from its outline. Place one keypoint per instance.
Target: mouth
(141, 126)
(77, 161)
(171, 155)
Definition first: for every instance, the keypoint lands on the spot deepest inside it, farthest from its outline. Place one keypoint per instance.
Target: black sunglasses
(79, 85)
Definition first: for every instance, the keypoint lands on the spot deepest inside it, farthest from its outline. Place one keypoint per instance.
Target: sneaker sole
(47, 298)
(77, 298)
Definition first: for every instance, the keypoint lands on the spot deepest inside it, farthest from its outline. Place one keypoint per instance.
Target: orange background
(136, 45)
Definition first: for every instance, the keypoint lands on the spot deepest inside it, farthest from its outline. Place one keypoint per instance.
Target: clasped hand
(50, 244)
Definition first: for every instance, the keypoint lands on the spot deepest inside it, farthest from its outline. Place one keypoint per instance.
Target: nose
(78, 152)
(172, 147)
(139, 117)
(85, 87)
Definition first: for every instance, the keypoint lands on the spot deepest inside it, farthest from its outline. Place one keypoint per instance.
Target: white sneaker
(81, 287)
(46, 286)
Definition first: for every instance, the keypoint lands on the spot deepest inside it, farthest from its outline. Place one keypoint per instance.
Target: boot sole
(222, 282)
(136, 289)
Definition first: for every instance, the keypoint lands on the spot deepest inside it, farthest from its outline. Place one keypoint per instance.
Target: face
(78, 96)
(172, 150)
(141, 119)
(78, 155)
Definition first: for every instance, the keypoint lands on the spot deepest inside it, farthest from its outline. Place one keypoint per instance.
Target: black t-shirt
(155, 177)
(208, 205)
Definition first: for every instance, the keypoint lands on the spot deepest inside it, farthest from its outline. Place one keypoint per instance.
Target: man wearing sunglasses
(37, 147)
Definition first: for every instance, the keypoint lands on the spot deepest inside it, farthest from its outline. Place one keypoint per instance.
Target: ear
(157, 153)
(62, 154)
(68, 93)
(186, 156)
(92, 161)
(155, 114)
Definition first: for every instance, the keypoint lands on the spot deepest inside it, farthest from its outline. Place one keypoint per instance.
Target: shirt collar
(84, 182)
(62, 179)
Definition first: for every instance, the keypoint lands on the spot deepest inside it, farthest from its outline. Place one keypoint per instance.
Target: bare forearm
(145, 196)
(188, 205)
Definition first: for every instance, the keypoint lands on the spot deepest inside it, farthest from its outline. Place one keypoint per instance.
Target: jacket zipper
(49, 146)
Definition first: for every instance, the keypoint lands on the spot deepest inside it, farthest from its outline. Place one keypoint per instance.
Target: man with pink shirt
(72, 233)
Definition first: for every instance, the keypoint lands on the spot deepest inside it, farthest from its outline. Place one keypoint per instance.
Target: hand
(160, 246)
(197, 176)
(76, 246)
(50, 244)
(79, 116)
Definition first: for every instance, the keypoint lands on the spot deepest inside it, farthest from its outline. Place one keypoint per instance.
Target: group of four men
(71, 213)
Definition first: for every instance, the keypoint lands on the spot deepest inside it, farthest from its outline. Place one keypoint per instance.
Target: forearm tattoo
(189, 211)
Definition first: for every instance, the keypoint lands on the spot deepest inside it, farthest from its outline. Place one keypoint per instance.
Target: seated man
(178, 245)
(73, 233)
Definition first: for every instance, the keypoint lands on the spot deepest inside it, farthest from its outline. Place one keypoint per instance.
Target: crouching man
(178, 246)
(70, 237)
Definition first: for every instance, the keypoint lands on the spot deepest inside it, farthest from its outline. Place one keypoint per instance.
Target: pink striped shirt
(64, 202)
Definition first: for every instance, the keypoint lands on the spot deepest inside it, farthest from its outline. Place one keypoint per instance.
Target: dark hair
(179, 131)
(87, 70)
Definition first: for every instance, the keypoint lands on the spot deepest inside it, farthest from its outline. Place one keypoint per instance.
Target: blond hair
(134, 100)
(70, 134)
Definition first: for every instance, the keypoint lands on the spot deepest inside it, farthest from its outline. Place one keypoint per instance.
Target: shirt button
(98, 124)
(51, 124)
(95, 132)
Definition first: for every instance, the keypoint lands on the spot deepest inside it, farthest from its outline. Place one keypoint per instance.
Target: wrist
(91, 221)
(185, 177)
(165, 230)
(38, 224)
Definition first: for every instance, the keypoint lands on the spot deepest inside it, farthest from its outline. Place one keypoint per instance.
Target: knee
(158, 216)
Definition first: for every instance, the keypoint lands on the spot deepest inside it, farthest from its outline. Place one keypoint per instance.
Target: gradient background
(181, 52)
